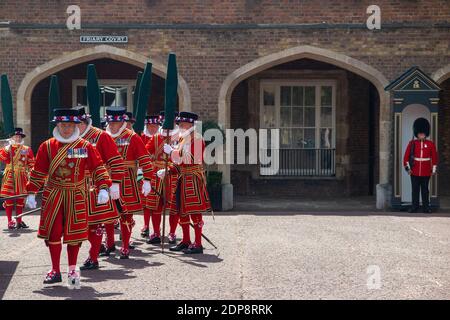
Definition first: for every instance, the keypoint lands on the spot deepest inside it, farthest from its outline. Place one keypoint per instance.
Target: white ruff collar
(13, 143)
(115, 135)
(185, 133)
(88, 127)
(146, 133)
(173, 132)
(71, 139)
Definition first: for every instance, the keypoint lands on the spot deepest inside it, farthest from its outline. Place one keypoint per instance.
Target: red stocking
(198, 225)
(95, 239)
(156, 222)
(9, 210)
(109, 228)
(173, 222)
(19, 210)
(72, 254)
(147, 213)
(126, 228)
(55, 255)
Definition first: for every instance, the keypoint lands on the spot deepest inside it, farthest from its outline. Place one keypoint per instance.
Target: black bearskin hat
(421, 125)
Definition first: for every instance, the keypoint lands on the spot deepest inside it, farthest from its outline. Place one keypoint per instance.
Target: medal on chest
(76, 153)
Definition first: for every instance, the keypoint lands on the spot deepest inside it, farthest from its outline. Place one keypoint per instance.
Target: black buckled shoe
(172, 238)
(145, 232)
(124, 254)
(52, 277)
(192, 249)
(179, 247)
(89, 265)
(22, 225)
(154, 239)
(108, 251)
(102, 248)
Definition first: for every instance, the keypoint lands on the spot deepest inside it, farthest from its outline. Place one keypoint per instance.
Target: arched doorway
(25, 91)
(375, 82)
(442, 77)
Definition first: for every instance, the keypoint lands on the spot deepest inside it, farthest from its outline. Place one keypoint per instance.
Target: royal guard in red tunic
(132, 150)
(151, 128)
(154, 202)
(420, 161)
(15, 176)
(107, 213)
(60, 168)
(192, 193)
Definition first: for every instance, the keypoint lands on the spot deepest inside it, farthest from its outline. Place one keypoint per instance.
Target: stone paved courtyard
(268, 255)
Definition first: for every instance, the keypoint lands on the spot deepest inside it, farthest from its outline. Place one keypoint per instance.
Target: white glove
(168, 149)
(31, 201)
(140, 172)
(114, 191)
(103, 197)
(161, 173)
(146, 188)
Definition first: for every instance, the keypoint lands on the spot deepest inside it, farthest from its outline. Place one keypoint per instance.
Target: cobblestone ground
(260, 256)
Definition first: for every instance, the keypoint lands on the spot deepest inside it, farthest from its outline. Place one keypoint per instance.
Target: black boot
(52, 277)
(179, 247)
(426, 210)
(412, 210)
(193, 250)
(108, 251)
(22, 225)
(89, 265)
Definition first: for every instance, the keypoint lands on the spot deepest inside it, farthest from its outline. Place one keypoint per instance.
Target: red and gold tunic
(153, 201)
(193, 194)
(23, 162)
(145, 138)
(132, 150)
(61, 169)
(107, 149)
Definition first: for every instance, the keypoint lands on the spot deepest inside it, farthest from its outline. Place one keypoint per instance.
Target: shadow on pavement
(85, 293)
(195, 260)
(7, 270)
(17, 233)
(103, 275)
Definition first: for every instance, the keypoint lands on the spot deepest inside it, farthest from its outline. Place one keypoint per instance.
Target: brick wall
(444, 139)
(106, 69)
(230, 11)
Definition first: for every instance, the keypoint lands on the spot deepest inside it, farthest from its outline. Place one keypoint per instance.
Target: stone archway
(441, 74)
(323, 55)
(67, 60)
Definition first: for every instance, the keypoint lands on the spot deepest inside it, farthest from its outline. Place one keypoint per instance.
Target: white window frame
(317, 83)
(129, 83)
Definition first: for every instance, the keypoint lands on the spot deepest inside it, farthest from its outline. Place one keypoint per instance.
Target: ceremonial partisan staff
(136, 93)
(54, 101)
(143, 96)
(94, 104)
(8, 122)
(170, 101)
